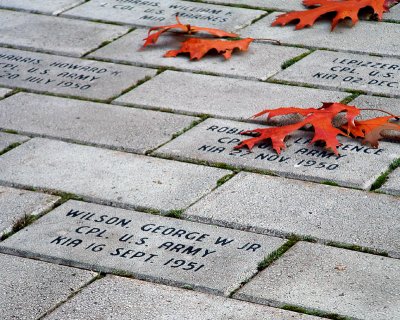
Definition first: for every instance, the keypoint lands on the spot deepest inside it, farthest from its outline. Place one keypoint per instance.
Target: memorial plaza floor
(121, 196)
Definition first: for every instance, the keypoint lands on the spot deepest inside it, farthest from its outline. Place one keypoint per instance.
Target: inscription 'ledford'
(67, 76)
(356, 165)
(163, 12)
(146, 246)
(346, 71)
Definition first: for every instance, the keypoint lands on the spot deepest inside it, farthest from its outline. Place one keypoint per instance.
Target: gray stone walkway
(121, 196)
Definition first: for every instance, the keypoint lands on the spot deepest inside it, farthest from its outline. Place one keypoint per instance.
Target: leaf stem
(373, 109)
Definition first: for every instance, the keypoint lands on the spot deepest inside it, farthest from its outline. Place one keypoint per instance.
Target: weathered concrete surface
(130, 129)
(221, 97)
(349, 283)
(261, 61)
(17, 203)
(42, 6)
(8, 139)
(107, 176)
(73, 77)
(282, 207)
(126, 299)
(392, 186)
(53, 34)
(29, 288)
(150, 247)
(164, 12)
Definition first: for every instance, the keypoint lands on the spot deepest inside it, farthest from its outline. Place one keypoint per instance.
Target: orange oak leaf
(343, 8)
(371, 129)
(186, 28)
(197, 47)
(321, 120)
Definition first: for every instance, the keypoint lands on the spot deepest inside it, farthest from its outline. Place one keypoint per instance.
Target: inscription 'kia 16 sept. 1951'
(356, 165)
(147, 246)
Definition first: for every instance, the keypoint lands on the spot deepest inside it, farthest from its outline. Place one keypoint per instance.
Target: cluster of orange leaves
(321, 120)
(198, 47)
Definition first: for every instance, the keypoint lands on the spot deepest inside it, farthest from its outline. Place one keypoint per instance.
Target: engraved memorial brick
(167, 250)
(67, 76)
(340, 71)
(107, 176)
(155, 13)
(356, 165)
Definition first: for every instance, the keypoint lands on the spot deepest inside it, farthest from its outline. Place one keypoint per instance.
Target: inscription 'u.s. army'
(67, 76)
(147, 246)
(356, 165)
(347, 71)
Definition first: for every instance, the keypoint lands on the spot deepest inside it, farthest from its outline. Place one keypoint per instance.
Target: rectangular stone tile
(42, 6)
(86, 122)
(155, 13)
(260, 62)
(126, 299)
(356, 165)
(221, 97)
(29, 288)
(4, 92)
(146, 246)
(41, 72)
(54, 34)
(340, 71)
(349, 283)
(7, 139)
(366, 37)
(393, 14)
(280, 206)
(392, 186)
(287, 5)
(107, 176)
(16, 203)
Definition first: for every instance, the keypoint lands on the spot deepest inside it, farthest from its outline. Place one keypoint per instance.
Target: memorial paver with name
(74, 77)
(127, 299)
(107, 176)
(279, 206)
(360, 286)
(356, 165)
(16, 203)
(29, 288)
(37, 32)
(221, 97)
(392, 186)
(147, 246)
(87, 122)
(155, 13)
(287, 5)
(366, 37)
(8, 139)
(42, 6)
(340, 71)
(259, 63)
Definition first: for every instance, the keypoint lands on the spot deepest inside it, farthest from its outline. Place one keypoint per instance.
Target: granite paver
(154, 13)
(53, 34)
(40, 72)
(392, 186)
(8, 139)
(221, 97)
(341, 71)
(88, 122)
(29, 288)
(280, 206)
(393, 14)
(4, 92)
(333, 280)
(42, 6)
(126, 299)
(356, 165)
(146, 246)
(107, 176)
(16, 203)
(258, 63)
(287, 5)
(367, 37)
